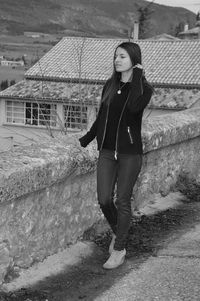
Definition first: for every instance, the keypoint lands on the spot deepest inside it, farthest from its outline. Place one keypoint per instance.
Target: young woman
(118, 132)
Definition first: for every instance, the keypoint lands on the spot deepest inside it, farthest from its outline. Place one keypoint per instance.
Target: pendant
(119, 92)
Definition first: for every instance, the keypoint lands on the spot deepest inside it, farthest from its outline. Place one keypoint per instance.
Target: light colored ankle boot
(111, 247)
(116, 259)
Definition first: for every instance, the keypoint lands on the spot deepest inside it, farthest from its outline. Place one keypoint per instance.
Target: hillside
(87, 17)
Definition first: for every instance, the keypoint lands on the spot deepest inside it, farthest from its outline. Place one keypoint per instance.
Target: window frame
(41, 114)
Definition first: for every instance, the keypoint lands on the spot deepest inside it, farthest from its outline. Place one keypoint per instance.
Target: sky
(193, 5)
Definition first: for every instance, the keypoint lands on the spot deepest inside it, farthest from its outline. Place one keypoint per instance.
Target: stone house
(192, 33)
(63, 89)
(164, 37)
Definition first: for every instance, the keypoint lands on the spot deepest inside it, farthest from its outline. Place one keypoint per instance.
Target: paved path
(172, 274)
(163, 263)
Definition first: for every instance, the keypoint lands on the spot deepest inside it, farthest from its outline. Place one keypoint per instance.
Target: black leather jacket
(129, 126)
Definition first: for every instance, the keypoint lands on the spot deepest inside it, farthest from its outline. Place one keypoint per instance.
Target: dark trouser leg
(106, 179)
(129, 167)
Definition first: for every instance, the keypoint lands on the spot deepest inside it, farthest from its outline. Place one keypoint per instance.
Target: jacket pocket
(130, 135)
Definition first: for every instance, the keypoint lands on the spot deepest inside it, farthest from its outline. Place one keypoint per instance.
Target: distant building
(35, 34)
(63, 89)
(164, 37)
(12, 63)
(192, 33)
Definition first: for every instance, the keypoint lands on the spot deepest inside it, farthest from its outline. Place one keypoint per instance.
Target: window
(15, 112)
(75, 116)
(39, 114)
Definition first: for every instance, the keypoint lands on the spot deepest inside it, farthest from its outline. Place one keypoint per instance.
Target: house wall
(164, 100)
(2, 111)
(91, 115)
(48, 191)
(60, 117)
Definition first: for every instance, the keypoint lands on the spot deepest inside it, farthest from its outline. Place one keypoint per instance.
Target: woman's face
(122, 61)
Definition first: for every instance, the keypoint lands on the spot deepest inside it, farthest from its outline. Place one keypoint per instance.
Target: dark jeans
(123, 172)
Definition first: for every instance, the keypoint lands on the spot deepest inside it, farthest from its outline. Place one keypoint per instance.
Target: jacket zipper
(116, 142)
(130, 136)
(104, 133)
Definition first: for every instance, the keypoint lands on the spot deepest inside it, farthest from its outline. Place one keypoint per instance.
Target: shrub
(190, 187)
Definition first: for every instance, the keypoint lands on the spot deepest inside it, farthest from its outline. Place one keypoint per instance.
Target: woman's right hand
(82, 142)
(138, 66)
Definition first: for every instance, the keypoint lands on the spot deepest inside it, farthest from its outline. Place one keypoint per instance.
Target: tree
(198, 16)
(179, 28)
(24, 59)
(143, 19)
(12, 82)
(4, 84)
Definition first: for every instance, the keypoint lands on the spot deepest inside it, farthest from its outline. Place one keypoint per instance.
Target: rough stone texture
(46, 221)
(5, 260)
(162, 168)
(161, 131)
(48, 191)
(35, 167)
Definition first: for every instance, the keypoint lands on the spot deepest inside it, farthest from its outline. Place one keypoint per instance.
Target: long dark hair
(112, 86)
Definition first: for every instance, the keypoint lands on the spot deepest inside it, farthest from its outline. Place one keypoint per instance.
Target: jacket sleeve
(142, 101)
(141, 91)
(91, 134)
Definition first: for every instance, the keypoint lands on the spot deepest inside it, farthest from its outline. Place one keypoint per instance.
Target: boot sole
(114, 267)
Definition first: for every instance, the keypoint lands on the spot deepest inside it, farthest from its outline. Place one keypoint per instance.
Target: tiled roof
(172, 63)
(163, 98)
(53, 91)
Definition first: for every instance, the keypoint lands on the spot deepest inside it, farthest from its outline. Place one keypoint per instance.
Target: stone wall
(48, 191)
(171, 149)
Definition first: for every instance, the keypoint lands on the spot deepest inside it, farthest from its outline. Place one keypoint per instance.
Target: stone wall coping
(161, 131)
(37, 166)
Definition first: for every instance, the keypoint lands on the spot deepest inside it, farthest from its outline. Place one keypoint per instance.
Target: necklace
(119, 91)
